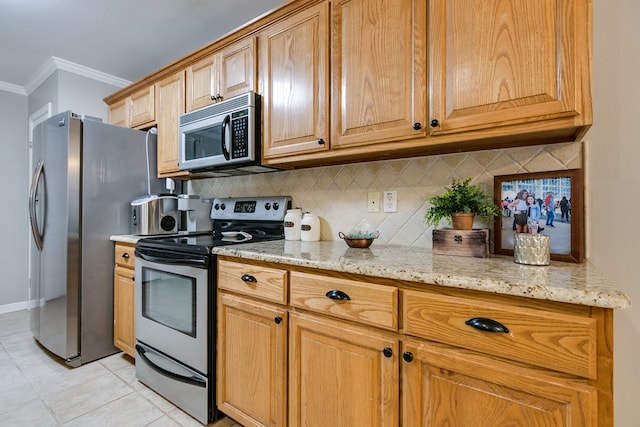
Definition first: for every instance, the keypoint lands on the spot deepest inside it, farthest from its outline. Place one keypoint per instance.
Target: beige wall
(613, 179)
(338, 194)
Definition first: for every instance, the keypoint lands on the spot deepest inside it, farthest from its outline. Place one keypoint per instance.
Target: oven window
(203, 143)
(169, 299)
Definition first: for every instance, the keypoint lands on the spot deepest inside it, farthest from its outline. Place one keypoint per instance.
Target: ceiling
(125, 39)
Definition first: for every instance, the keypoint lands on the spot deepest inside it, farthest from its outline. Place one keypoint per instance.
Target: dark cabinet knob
(125, 255)
(388, 352)
(417, 126)
(407, 356)
(338, 295)
(278, 320)
(487, 325)
(434, 123)
(248, 278)
(213, 97)
(321, 141)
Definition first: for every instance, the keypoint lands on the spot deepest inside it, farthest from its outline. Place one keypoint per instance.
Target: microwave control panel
(240, 132)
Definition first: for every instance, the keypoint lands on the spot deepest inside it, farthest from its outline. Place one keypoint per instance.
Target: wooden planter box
(475, 243)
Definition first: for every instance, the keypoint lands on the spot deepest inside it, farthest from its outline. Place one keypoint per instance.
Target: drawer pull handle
(387, 351)
(338, 295)
(487, 325)
(407, 356)
(278, 320)
(248, 278)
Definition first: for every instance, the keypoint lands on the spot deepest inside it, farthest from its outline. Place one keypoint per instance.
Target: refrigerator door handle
(38, 174)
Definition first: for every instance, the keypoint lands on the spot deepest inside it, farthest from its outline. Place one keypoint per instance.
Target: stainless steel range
(175, 295)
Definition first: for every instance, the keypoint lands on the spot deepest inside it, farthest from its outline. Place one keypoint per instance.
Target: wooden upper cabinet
(238, 68)
(170, 104)
(378, 70)
(224, 74)
(119, 112)
(294, 76)
(143, 107)
(500, 62)
(201, 88)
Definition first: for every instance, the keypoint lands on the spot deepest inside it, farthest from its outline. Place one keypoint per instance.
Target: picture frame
(565, 225)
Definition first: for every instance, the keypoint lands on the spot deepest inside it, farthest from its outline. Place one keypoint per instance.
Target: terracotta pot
(462, 221)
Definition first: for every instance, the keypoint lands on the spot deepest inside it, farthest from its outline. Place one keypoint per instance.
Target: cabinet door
(251, 361)
(170, 103)
(201, 83)
(294, 57)
(443, 386)
(119, 113)
(143, 109)
(238, 68)
(378, 69)
(123, 315)
(500, 62)
(341, 374)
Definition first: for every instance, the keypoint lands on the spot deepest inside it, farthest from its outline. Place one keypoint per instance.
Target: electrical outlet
(373, 201)
(390, 201)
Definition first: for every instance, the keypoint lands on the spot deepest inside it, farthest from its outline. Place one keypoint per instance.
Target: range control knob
(267, 206)
(223, 206)
(276, 206)
(216, 206)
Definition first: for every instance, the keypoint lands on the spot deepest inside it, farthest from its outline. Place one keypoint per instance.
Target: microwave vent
(223, 107)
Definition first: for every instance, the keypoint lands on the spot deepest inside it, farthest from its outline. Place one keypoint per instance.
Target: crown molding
(8, 87)
(54, 64)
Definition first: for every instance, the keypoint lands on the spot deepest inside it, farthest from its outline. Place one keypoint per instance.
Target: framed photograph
(553, 202)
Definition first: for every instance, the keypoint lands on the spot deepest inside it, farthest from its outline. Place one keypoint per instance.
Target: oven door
(171, 302)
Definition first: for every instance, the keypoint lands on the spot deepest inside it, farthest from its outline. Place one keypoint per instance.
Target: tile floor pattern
(36, 390)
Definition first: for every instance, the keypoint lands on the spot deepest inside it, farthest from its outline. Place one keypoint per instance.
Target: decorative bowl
(357, 241)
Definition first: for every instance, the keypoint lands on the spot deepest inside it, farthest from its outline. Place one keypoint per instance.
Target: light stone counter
(127, 238)
(563, 282)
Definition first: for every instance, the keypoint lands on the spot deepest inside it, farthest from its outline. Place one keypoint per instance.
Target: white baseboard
(16, 306)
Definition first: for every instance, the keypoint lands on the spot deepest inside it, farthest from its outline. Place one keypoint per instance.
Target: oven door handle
(192, 380)
(199, 262)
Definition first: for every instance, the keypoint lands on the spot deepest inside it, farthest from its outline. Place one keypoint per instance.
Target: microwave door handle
(226, 127)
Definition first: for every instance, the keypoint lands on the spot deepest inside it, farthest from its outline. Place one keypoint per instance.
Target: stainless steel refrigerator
(85, 175)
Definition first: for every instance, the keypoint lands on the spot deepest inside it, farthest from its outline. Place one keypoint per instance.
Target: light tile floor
(36, 389)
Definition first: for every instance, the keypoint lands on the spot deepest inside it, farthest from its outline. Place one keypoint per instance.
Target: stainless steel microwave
(224, 137)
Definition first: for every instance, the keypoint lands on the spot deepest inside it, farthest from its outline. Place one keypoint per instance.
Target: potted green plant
(461, 202)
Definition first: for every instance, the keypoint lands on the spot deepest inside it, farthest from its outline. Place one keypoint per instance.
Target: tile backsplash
(338, 194)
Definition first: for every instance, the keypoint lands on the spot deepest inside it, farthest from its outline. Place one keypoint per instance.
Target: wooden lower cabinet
(446, 386)
(427, 366)
(251, 361)
(341, 374)
(124, 336)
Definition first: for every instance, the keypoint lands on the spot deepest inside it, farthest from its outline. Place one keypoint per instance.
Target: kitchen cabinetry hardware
(321, 141)
(387, 351)
(407, 356)
(278, 320)
(487, 325)
(417, 126)
(338, 295)
(248, 278)
(125, 255)
(434, 123)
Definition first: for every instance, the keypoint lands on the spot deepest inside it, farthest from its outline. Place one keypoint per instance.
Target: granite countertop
(559, 281)
(127, 238)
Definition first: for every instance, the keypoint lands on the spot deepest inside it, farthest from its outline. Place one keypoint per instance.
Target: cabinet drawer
(557, 341)
(260, 282)
(124, 255)
(364, 302)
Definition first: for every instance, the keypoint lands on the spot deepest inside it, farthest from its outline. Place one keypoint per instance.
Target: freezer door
(58, 144)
